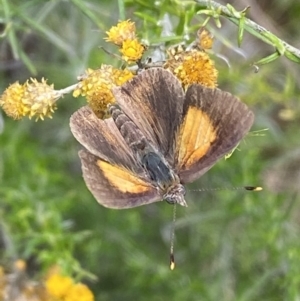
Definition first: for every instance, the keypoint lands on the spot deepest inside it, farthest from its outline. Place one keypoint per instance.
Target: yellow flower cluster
(124, 36)
(38, 99)
(96, 86)
(62, 288)
(15, 285)
(30, 99)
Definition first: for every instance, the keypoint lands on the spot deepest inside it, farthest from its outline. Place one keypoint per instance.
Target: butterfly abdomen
(130, 132)
(159, 171)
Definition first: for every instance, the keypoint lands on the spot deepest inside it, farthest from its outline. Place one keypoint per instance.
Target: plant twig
(215, 10)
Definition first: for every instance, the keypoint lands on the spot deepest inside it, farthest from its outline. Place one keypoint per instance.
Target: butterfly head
(175, 195)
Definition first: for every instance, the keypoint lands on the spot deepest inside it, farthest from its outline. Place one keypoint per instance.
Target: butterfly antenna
(249, 188)
(253, 188)
(172, 258)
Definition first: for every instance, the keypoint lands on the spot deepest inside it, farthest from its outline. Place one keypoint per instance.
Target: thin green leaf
(268, 59)
(146, 17)
(241, 30)
(89, 13)
(292, 57)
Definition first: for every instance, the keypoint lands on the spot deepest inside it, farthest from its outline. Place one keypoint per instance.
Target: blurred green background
(229, 244)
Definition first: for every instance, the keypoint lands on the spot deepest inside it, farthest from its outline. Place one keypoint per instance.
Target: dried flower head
(20, 265)
(11, 101)
(30, 99)
(204, 39)
(16, 285)
(124, 31)
(96, 86)
(3, 283)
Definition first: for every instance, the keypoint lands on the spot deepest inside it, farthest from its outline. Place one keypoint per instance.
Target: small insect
(159, 138)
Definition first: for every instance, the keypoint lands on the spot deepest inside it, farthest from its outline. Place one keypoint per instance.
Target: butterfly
(158, 138)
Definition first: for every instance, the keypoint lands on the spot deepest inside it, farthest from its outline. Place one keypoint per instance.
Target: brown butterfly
(158, 138)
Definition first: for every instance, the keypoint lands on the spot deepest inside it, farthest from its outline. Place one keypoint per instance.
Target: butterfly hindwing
(110, 169)
(114, 186)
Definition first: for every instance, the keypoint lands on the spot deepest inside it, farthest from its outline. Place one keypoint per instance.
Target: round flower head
(193, 67)
(96, 86)
(125, 30)
(132, 50)
(11, 101)
(30, 99)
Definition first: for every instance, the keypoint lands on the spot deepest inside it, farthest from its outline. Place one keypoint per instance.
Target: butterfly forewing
(102, 138)
(213, 123)
(153, 100)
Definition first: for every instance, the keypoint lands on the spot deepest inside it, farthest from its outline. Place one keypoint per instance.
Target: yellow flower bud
(132, 50)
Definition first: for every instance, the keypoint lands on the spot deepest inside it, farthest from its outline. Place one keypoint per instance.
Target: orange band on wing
(197, 133)
(122, 179)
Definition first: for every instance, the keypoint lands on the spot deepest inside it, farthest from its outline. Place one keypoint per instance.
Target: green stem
(122, 14)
